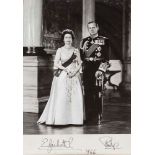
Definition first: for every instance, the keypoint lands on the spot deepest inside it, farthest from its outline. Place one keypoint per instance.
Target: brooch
(98, 54)
(99, 48)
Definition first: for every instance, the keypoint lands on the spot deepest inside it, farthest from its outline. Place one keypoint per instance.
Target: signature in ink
(50, 144)
(109, 143)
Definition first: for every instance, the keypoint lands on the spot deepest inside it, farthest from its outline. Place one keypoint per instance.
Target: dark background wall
(61, 14)
(109, 15)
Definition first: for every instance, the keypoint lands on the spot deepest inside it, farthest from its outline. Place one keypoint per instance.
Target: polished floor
(116, 119)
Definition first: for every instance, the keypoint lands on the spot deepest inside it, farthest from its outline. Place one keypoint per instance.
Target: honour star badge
(99, 48)
(91, 59)
(99, 54)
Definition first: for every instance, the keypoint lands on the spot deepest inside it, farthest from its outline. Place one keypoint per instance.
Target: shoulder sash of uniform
(91, 50)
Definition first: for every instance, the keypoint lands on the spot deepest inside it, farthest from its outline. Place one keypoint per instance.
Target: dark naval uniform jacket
(93, 51)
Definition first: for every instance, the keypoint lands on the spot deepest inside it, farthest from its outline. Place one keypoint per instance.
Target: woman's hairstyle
(67, 31)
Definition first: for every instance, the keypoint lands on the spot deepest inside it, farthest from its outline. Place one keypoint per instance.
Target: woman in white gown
(65, 104)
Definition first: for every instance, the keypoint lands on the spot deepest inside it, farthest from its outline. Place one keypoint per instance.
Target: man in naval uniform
(94, 51)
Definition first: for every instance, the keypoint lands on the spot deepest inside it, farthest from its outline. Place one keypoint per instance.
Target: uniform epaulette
(103, 37)
(83, 40)
(86, 38)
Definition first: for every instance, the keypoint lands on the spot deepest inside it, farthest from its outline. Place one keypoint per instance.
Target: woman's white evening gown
(65, 104)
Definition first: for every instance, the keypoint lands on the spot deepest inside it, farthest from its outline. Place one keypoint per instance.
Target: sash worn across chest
(65, 64)
(91, 50)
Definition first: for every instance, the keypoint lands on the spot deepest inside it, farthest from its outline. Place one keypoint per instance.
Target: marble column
(88, 15)
(126, 48)
(37, 68)
(32, 23)
(37, 79)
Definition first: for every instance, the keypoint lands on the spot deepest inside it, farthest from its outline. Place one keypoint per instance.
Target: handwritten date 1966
(90, 151)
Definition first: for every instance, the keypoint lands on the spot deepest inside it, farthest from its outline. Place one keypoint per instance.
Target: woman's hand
(76, 52)
(72, 74)
(67, 70)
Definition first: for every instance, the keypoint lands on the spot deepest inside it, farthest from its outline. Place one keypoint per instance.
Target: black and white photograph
(76, 67)
(66, 77)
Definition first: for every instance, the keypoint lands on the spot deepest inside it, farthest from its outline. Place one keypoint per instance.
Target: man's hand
(85, 45)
